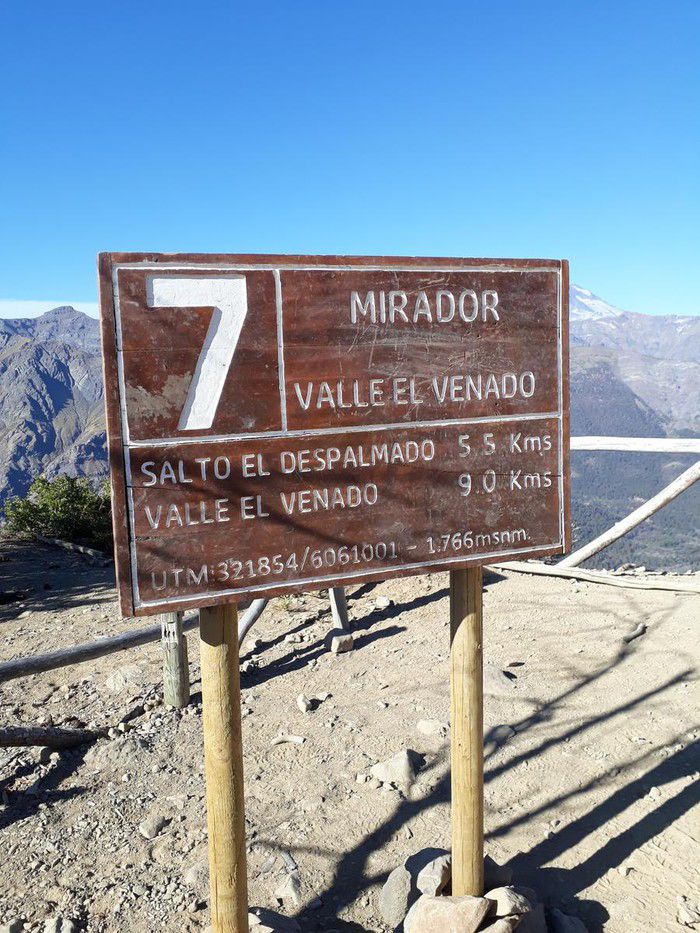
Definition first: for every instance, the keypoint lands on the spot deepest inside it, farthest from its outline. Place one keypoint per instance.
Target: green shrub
(67, 508)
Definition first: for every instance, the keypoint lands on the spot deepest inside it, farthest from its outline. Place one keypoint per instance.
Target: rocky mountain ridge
(631, 375)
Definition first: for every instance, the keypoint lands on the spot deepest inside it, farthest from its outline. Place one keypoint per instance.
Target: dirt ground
(589, 792)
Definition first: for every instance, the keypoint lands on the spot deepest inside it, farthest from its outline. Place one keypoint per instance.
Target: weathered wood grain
(223, 764)
(467, 731)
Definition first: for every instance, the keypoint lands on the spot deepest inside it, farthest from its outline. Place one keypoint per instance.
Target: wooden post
(176, 670)
(339, 608)
(467, 726)
(223, 765)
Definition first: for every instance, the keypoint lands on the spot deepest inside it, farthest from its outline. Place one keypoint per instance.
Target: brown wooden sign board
(278, 423)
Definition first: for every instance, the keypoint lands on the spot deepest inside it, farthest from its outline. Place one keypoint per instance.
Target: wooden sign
(286, 422)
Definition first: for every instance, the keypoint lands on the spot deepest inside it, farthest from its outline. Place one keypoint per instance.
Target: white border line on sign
(349, 429)
(280, 348)
(276, 268)
(288, 584)
(300, 267)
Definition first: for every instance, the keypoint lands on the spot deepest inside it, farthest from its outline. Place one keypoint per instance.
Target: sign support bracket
(467, 730)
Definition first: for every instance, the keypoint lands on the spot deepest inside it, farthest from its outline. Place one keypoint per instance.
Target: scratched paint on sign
(278, 423)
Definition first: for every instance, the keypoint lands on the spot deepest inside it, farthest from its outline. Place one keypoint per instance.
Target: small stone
(382, 602)
(687, 915)
(128, 678)
(563, 923)
(59, 925)
(433, 878)
(507, 902)
(394, 899)
(501, 734)
(14, 926)
(446, 914)
(304, 703)
(496, 682)
(502, 925)
(197, 875)
(400, 769)
(290, 889)
(339, 641)
(268, 921)
(153, 825)
(432, 727)
(285, 739)
(635, 633)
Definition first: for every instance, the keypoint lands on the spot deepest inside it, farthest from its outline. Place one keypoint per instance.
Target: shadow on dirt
(556, 887)
(24, 803)
(65, 579)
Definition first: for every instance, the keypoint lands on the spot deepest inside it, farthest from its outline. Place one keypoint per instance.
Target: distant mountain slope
(634, 375)
(631, 375)
(51, 413)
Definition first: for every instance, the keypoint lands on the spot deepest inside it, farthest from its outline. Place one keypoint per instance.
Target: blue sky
(449, 129)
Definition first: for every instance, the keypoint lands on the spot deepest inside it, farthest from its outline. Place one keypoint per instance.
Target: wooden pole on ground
(176, 670)
(667, 494)
(467, 729)
(223, 765)
(339, 608)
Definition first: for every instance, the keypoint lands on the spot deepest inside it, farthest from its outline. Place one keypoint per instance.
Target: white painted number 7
(228, 296)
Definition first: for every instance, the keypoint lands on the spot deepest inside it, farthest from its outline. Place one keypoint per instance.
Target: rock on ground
(400, 769)
(261, 920)
(564, 923)
(507, 902)
(128, 678)
(446, 914)
(153, 825)
(339, 641)
(502, 925)
(395, 896)
(495, 681)
(434, 877)
(687, 914)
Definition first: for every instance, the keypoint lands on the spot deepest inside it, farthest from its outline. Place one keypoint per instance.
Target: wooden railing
(668, 493)
(176, 624)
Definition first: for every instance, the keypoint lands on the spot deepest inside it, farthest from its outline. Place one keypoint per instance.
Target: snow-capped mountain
(585, 306)
(631, 374)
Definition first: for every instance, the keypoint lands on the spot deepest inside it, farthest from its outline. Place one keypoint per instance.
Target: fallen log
(590, 576)
(26, 736)
(38, 663)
